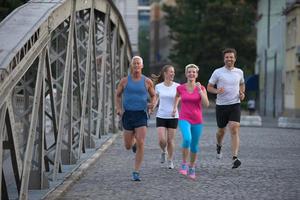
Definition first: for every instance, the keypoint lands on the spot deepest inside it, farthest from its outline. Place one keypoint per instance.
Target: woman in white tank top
(166, 124)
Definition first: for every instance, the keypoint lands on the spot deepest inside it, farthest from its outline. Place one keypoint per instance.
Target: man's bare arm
(118, 98)
(242, 91)
(211, 88)
(152, 95)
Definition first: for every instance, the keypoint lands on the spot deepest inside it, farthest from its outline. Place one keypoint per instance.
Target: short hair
(191, 66)
(136, 57)
(229, 50)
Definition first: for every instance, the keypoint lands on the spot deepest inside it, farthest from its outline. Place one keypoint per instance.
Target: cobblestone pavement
(270, 170)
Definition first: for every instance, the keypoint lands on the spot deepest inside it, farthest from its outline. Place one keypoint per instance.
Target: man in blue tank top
(131, 104)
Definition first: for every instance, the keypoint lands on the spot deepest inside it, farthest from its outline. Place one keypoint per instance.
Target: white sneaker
(219, 155)
(170, 164)
(163, 157)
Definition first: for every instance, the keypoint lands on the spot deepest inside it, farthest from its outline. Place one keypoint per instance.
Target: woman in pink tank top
(192, 95)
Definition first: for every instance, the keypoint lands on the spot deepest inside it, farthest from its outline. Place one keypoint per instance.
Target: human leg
(170, 142)
(234, 126)
(219, 137)
(136, 122)
(184, 166)
(170, 146)
(235, 143)
(185, 129)
(162, 140)
(140, 134)
(222, 120)
(235, 137)
(128, 138)
(171, 130)
(196, 132)
(222, 117)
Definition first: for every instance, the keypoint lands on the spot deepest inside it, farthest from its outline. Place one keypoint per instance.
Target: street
(270, 169)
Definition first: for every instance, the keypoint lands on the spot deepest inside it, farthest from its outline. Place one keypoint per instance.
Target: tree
(144, 46)
(202, 29)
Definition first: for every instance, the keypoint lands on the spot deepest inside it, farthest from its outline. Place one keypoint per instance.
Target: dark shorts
(226, 113)
(167, 123)
(134, 119)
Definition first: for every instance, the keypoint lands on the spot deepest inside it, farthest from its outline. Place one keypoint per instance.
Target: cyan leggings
(191, 134)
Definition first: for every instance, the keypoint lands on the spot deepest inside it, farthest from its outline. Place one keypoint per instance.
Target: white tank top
(166, 95)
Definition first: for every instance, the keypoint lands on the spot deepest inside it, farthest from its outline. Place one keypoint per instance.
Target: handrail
(59, 64)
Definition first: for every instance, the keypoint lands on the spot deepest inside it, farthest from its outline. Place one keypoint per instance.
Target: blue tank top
(135, 95)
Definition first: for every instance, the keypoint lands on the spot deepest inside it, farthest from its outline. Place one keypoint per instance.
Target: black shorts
(134, 119)
(226, 113)
(167, 123)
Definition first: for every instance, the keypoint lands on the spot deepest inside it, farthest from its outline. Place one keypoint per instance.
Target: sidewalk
(270, 170)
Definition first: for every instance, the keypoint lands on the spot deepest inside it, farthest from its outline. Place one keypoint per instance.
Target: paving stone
(270, 169)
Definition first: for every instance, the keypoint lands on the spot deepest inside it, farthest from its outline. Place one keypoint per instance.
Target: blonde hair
(191, 66)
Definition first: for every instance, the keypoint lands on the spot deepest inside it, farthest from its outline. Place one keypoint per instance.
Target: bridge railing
(59, 64)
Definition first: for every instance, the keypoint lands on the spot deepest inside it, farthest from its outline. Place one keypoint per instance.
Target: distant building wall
(129, 11)
(160, 42)
(270, 56)
(292, 62)
(144, 35)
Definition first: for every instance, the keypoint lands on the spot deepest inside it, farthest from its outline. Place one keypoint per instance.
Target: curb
(289, 122)
(79, 171)
(249, 120)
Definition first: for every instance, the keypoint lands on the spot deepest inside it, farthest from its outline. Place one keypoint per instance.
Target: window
(144, 2)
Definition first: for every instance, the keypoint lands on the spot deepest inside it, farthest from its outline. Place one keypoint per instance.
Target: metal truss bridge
(59, 64)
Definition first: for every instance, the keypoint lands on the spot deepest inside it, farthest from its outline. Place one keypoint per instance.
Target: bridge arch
(59, 64)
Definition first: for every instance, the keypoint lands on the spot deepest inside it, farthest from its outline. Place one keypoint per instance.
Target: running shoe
(184, 169)
(192, 173)
(170, 164)
(219, 153)
(136, 176)
(163, 157)
(236, 163)
(133, 148)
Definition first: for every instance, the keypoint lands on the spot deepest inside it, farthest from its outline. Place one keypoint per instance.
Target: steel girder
(57, 87)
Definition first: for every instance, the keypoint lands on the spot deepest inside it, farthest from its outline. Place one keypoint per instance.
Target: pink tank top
(191, 107)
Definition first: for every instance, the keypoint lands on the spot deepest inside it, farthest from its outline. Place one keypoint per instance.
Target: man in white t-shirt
(230, 90)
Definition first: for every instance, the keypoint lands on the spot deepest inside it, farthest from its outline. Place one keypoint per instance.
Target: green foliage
(202, 29)
(144, 47)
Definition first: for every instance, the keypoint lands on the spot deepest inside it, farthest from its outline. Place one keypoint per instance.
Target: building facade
(292, 61)
(129, 11)
(278, 57)
(144, 29)
(160, 41)
(270, 60)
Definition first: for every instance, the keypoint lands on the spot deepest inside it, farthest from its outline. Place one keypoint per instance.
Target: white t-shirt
(230, 80)
(166, 96)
